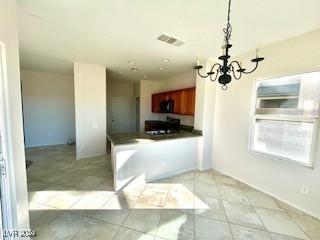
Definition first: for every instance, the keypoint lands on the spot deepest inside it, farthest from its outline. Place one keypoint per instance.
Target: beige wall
(16, 157)
(232, 127)
(121, 89)
(48, 107)
(146, 89)
(90, 109)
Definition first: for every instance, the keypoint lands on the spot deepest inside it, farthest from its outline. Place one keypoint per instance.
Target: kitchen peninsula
(138, 156)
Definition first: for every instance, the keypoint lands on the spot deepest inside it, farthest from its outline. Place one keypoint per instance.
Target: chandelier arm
(233, 69)
(203, 76)
(252, 69)
(230, 64)
(216, 75)
(214, 65)
(234, 74)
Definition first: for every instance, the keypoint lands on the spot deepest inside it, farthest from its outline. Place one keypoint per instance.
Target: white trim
(91, 156)
(279, 117)
(287, 118)
(268, 193)
(6, 184)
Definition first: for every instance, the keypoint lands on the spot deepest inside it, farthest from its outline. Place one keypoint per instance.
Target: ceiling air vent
(170, 40)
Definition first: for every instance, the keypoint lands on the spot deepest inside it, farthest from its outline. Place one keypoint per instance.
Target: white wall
(147, 88)
(204, 116)
(90, 109)
(121, 89)
(232, 127)
(16, 156)
(48, 108)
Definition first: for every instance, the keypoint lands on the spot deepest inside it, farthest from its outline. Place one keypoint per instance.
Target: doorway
(137, 114)
(120, 112)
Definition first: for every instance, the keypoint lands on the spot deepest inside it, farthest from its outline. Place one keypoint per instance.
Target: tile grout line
(296, 223)
(224, 210)
(84, 225)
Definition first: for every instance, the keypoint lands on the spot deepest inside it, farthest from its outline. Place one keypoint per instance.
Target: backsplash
(184, 119)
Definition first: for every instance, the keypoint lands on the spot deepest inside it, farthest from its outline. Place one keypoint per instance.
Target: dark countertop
(141, 137)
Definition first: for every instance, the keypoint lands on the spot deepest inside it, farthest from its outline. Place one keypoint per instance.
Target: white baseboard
(271, 194)
(91, 156)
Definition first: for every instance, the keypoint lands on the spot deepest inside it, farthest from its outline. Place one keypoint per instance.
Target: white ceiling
(54, 34)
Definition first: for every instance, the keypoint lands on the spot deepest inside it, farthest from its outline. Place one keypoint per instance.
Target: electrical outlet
(304, 189)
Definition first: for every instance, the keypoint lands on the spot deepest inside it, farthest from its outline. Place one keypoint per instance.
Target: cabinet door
(156, 98)
(178, 99)
(188, 102)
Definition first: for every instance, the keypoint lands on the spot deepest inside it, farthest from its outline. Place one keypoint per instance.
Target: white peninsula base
(148, 160)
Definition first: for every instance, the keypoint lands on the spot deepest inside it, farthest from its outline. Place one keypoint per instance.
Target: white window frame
(254, 117)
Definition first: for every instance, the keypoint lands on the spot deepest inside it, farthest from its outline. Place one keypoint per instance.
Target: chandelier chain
(227, 31)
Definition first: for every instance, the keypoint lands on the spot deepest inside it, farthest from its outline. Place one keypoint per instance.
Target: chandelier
(225, 69)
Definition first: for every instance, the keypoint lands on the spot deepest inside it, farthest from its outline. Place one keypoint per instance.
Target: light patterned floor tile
(154, 197)
(260, 199)
(208, 229)
(209, 207)
(130, 234)
(245, 233)
(309, 225)
(232, 194)
(176, 225)
(64, 227)
(241, 214)
(280, 222)
(180, 200)
(89, 182)
(143, 220)
(91, 200)
(112, 216)
(116, 202)
(65, 199)
(97, 230)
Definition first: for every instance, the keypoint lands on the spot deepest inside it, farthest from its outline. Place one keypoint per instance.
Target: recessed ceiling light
(131, 62)
(161, 68)
(166, 60)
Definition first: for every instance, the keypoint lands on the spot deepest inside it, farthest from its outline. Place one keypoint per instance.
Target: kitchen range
(155, 127)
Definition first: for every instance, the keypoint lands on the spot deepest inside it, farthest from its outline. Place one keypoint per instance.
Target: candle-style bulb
(257, 52)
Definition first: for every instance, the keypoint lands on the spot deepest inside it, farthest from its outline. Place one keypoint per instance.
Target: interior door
(120, 115)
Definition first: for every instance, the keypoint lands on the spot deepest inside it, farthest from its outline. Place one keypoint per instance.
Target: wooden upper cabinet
(156, 99)
(177, 99)
(188, 101)
(184, 100)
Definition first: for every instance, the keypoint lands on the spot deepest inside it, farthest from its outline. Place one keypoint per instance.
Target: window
(285, 119)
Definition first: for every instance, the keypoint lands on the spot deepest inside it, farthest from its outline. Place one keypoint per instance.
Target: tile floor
(71, 199)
